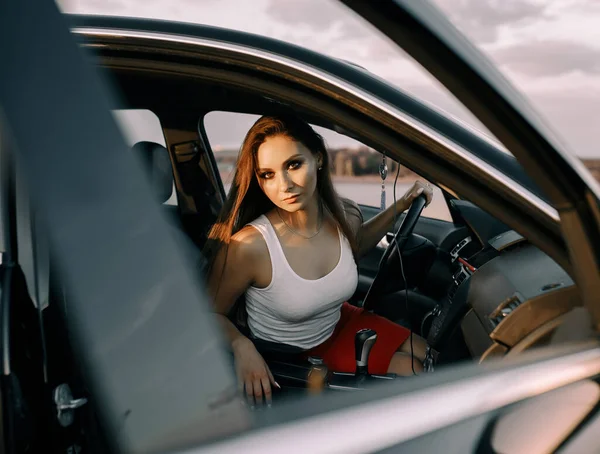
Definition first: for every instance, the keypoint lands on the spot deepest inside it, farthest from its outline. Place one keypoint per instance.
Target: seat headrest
(157, 164)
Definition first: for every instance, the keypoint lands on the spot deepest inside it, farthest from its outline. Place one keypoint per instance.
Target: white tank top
(293, 310)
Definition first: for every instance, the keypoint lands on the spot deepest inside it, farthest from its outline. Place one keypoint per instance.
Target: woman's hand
(415, 191)
(252, 371)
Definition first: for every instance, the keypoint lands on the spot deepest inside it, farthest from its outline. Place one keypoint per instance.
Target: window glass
(142, 125)
(549, 50)
(354, 166)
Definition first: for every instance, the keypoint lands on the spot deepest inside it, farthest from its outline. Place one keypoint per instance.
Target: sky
(548, 49)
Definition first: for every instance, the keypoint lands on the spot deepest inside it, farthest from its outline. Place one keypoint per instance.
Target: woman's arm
(372, 231)
(230, 277)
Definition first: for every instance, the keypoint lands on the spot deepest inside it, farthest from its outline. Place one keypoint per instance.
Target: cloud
(574, 114)
(314, 14)
(380, 50)
(92, 6)
(481, 20)
(584, 6)
(439, 98)
(549, 58)
(320, 16)
(333, 29)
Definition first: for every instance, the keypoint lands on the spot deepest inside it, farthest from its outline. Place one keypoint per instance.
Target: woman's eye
(295, 165)
(266, 175)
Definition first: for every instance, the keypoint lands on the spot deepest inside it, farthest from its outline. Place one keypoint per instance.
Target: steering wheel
(394, 248)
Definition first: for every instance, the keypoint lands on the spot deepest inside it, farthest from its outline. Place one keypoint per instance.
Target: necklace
(300, 234)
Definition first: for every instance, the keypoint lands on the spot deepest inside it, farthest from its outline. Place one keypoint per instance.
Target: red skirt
(338, 352)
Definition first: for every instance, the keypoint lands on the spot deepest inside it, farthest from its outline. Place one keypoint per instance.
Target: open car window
(354, 166)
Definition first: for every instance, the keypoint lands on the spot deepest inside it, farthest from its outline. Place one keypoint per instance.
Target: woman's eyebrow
(292, 158)
(285, 163)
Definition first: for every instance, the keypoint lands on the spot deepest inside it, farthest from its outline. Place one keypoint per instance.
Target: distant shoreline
(362, 179)
(372, 179)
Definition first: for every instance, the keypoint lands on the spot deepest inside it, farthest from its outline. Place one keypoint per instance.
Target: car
(108, 343)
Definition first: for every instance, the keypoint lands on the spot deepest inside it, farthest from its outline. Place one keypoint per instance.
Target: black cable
(412, 354)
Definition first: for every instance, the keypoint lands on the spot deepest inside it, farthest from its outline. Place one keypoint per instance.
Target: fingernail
(269, 405)
(420, 191)
(252, 407)
(277, 384)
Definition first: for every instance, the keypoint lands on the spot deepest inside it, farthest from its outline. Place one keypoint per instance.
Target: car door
(158, 377)
(120, 266)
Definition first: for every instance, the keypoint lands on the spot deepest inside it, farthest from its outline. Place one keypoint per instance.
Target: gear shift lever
(363, 342)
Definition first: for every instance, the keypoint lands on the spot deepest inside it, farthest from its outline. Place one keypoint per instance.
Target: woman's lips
(291, 199)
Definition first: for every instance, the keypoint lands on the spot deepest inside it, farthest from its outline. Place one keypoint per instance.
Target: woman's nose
(285, 182)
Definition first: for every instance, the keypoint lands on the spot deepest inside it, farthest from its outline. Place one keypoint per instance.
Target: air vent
(505, 308)
(461, 275)
(456, 250)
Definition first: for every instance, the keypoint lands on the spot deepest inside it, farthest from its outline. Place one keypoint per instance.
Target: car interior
(474, 288)
(514, 302)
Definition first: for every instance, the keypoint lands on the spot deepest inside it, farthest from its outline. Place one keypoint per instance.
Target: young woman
(288, 242)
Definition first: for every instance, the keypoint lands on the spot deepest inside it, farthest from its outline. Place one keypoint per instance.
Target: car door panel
(464, 437)
(131, 295)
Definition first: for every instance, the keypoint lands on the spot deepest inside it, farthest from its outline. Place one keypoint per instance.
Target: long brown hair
(246, 200)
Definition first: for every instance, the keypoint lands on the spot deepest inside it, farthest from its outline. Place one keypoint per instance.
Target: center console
(452, 308)
(298, 371)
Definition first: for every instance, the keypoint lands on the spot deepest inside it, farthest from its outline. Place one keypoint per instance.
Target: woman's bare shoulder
(248, 243)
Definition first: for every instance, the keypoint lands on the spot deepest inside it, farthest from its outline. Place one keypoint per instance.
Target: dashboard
(505, 298)
(506, 294)
(515, 300)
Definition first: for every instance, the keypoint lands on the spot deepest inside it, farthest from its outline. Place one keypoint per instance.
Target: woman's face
(287, 172)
